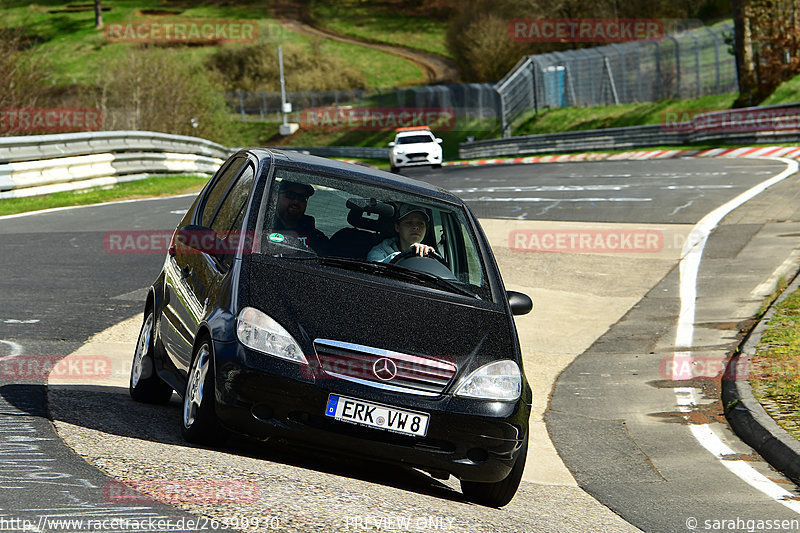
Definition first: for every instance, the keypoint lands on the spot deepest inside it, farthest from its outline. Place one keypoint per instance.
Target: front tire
(199, 420)
(145, 385)
(501, 492)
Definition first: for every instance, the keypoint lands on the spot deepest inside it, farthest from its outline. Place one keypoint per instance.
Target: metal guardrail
(365, 152)
(602, 139)
(38, 147)
(41, 164)
(753, 125)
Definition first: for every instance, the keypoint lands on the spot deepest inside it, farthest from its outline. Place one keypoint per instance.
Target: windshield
(306, 216)
(414, 139)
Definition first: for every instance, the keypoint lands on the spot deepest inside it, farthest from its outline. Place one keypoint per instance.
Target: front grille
(414, 374)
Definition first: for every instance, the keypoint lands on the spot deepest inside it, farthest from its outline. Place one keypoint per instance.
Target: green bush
(153, 90)
(479, 41)
(23, 75)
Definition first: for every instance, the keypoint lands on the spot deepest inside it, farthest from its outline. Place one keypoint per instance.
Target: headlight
(260, 332)
(500, 380)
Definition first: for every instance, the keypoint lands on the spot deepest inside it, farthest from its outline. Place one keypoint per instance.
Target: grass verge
(377, 22)
(775, 368)
(618, 116)
(76, 50)
(146, 188)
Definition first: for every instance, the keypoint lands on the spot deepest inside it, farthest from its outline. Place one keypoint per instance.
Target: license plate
(377, 416)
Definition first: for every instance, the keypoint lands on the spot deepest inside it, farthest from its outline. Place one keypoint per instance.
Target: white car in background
(415, 146)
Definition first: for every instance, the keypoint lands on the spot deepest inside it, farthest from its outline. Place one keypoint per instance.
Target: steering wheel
(412, 252)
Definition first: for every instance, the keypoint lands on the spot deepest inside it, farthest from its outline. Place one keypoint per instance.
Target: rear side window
(220, 189)
(230, 214)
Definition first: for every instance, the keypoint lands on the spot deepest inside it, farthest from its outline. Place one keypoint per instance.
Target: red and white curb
(791, 152)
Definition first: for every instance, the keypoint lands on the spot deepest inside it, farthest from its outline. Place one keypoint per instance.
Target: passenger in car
(292, 219)
(411, 225)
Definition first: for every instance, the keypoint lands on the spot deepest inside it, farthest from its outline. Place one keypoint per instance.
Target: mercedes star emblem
(384, 369)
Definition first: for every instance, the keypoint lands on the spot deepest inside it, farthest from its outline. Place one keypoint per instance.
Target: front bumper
(265, 397)
(416, 159)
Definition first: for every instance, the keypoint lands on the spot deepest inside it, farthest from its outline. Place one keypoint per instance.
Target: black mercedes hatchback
(342, 307)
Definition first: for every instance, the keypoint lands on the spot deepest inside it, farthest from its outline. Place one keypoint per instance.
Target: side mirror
(438, 140)
(200, 239)
(521, 304)
(391, 143)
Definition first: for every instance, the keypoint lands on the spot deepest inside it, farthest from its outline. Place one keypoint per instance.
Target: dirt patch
(293, 16)
(704, 413)
(699, 415)
(77, 8)
(157, 13)
(747, 457)
(741, 326)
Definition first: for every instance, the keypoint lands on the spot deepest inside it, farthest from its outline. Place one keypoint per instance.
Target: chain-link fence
(468, 101)
(684, 65)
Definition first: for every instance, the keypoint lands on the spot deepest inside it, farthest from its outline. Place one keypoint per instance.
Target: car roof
(355, 172)
(411, 133)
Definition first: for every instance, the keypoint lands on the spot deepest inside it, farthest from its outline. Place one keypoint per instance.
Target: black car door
(187, 273)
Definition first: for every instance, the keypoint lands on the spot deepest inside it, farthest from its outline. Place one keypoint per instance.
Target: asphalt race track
(620, 419)
(614, 416)
(60, 286)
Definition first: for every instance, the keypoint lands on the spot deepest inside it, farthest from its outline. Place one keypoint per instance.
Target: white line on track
(689, 266)
(711, 442)
(684, 206)
(66, 208)
(481, 199)
(581, 188)
(765, 288)
(16, 349)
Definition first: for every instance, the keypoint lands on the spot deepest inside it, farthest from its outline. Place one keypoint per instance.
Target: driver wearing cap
(411, 225)
(292, 218)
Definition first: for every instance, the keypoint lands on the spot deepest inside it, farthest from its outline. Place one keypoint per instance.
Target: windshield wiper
(394, 271)
(418, 275)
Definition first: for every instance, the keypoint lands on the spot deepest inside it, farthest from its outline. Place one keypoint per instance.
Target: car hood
(417, 145)
(319, 303)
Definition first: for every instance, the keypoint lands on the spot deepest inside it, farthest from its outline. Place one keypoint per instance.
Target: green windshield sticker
(276, 237)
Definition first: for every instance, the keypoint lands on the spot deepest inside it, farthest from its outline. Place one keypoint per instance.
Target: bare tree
(153, 89)
(743, 46)
(22, 76)
(98, 15)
